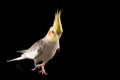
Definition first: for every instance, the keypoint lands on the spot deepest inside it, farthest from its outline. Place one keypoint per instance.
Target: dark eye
(52, 31)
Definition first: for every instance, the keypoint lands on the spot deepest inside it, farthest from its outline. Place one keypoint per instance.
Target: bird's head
(56, 30)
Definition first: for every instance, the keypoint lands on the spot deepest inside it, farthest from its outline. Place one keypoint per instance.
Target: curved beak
(57, 23)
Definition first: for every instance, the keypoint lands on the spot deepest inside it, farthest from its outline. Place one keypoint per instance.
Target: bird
(45, 48)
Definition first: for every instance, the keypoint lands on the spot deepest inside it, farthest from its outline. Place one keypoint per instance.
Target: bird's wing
(37, 45)
(21, 51)
(57, 52)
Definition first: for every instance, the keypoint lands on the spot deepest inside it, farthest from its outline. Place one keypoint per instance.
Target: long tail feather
(16, 59)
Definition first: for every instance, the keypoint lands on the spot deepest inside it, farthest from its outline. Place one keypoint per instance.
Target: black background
(81, 54)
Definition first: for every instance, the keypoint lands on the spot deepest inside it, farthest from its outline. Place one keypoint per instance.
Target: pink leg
(40, 66)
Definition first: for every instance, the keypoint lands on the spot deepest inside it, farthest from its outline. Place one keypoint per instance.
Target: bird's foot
(42, 71)
(37, 67)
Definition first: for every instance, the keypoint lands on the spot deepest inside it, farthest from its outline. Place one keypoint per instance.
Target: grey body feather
(42, 50)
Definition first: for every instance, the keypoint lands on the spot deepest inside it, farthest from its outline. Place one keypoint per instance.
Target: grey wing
(57, 52)
(21, 51)
(37, 45)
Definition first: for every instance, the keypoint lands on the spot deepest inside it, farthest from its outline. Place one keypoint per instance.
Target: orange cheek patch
(49, 32)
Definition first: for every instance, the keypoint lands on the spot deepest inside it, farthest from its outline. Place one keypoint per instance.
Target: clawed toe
(42, 71)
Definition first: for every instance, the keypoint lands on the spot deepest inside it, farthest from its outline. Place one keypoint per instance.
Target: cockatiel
(45, 48)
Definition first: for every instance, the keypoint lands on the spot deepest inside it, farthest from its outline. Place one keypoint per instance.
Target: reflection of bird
(45, 48)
